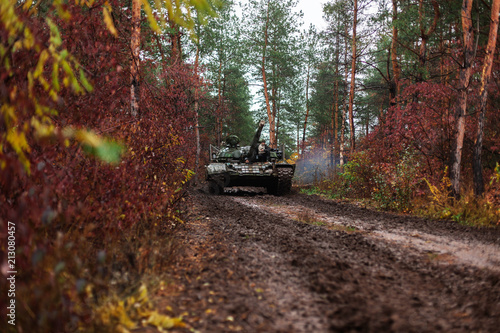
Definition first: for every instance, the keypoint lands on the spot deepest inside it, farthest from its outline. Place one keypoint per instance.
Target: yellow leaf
(143, 294)
(163, 321)
(88, 137)
(152, 21)
(41, 62)
(27, 5)
(108, 20)
(18, 141)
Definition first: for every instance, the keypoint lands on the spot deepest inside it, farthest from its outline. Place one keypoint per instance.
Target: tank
(232, 165)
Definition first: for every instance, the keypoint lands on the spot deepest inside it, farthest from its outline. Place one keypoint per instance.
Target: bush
(89, 233)
(395, 185)
(390, 186)
(467, 210)
(353, 181)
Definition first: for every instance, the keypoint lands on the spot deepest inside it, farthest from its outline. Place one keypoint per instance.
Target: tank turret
(233, 165)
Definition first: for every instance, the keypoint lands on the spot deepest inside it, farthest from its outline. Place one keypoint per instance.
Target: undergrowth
(399, 187)
(94, 223)
(467, 210)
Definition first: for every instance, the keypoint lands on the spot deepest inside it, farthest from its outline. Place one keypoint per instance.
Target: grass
(468, 210)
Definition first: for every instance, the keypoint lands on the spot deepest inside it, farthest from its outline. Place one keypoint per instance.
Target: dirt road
(259, 263)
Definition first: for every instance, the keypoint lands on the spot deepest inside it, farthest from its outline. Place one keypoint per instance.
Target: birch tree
(485, 78)
(353, 76)
(461, 104)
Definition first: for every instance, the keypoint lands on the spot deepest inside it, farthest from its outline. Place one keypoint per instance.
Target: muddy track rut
(250, 263)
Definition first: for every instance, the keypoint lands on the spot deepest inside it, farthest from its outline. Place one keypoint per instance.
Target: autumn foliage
(95, 193)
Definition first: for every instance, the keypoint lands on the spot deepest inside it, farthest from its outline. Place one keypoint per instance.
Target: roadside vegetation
(402, 188)
(108, 110)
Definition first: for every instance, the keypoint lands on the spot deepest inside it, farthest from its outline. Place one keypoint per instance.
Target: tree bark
(197, 124)
(345, 106)
(175, 42)
(274, 101)
(135, 44)
(277, 116)
(353, 78)
(218, 120)
(307, 109)
(396, 69)
(335, 106)
(298, 138)
(461, 105)
(485, 78)
(335, 119)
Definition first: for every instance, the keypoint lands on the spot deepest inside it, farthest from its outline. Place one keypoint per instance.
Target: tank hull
(276, 177)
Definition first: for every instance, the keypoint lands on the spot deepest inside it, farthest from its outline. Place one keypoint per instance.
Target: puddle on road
(440, 248)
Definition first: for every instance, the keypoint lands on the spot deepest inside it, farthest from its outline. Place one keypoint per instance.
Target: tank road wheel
(214, 187)
(216, 184)
(282, 184)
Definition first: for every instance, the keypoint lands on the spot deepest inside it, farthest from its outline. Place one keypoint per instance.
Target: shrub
(354, 180)
(395, 185)
(88, 233)
(469, 210)
(390, 186)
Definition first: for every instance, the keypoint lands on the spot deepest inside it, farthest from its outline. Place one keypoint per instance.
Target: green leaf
(84, 82)
(55, 36)
(93, 144)
(106, 151)
(109, 152)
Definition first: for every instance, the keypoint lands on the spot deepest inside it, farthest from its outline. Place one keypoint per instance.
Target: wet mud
(252, 262)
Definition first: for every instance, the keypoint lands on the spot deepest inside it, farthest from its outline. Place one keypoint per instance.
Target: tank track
(217, 183)
(283, 182)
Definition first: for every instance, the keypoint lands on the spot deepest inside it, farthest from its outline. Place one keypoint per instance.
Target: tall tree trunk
(272, 129)
(197, 124)
(461, 104)
(278, 108)
(298, 138)
(274, 101)
(485, 78)
(175, 42)
(335, 124)
(367, 124)
(135, 45)
(218, 120)
(342, 137)
(307, 109)
(346, 104)
(335, 107)
(396, 69)
(353, 78)
(333, 142)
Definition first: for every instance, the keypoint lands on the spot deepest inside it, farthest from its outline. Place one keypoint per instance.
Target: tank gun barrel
(255, 141)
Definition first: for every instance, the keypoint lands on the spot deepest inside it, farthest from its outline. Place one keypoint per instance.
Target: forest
(108, 110)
